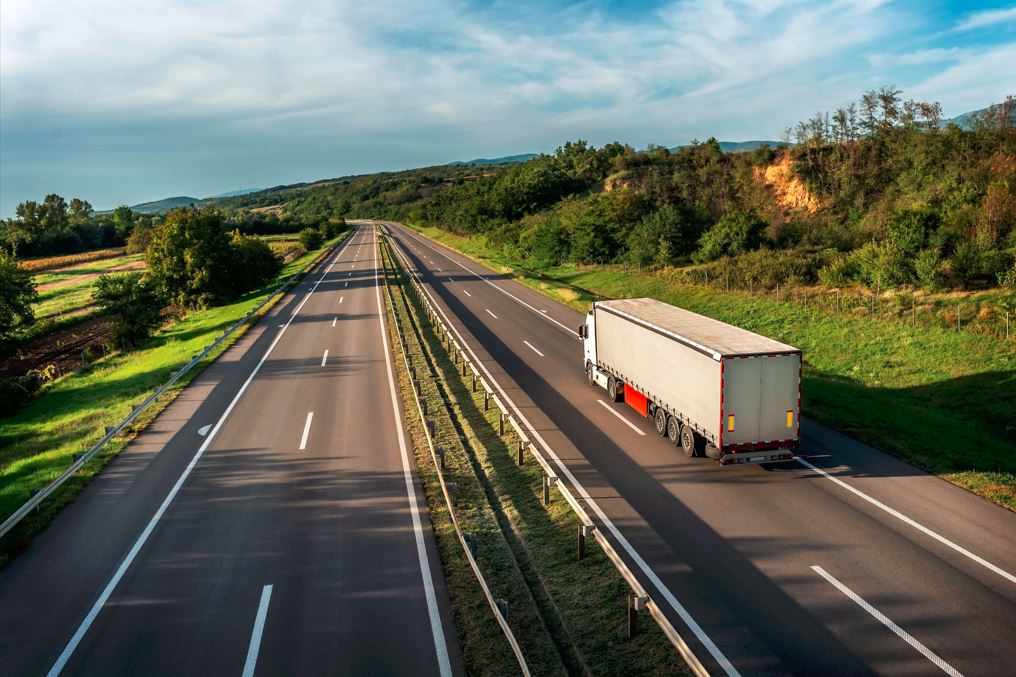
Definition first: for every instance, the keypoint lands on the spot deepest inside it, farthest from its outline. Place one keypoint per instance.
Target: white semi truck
(712, 388)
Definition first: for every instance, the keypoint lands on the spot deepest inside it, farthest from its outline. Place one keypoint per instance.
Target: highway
(269, 522)
(849, 561)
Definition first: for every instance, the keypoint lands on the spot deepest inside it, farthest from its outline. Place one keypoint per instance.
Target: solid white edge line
(490, 313)
(895, 513)
(86, 623)
(440, 647)
(503, 291)
(917, 525)
(886, 621)
(533, 348)
(306, 430)
(648, 571)
(259, 629)
(622, 418)
(324, 358)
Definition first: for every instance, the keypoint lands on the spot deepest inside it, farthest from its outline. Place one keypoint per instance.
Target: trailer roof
(713, 337)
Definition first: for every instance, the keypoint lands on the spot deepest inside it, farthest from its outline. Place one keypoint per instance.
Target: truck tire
(590, 379)
(612, 389)
(674, 431)
(660, 419)
(688, 442)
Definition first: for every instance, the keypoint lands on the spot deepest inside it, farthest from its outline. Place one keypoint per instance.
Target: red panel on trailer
(636, 400)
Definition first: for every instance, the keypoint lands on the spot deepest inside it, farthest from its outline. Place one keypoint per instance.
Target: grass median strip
(939, 398)
(581, 602)
(38, 443)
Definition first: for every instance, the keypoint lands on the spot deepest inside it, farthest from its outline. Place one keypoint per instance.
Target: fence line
(640, 598)
(136, 409)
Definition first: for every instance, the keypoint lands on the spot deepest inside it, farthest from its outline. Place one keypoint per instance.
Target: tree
(139, 238)
(123, 221)
(310, 239)
(79, 211)
(735, 233)
(662, 237)
(909, 230)
(549, 243)
(254, 263)
(190, 258)
(132, 302)
(17, 294)
(929, 269)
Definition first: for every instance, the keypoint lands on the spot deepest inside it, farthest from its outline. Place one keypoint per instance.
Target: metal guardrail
(642, 598)
(505, 628)
(112, 431)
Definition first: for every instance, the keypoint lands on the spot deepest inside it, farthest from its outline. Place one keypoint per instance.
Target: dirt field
(66, 349)
(66, 282)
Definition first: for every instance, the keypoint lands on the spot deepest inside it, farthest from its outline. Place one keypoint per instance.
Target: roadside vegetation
(568, 614)
(70, 413)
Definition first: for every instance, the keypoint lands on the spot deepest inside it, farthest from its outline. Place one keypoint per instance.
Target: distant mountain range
(507, 160)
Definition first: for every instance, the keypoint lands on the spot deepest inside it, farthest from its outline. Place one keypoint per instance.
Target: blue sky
(122, 102)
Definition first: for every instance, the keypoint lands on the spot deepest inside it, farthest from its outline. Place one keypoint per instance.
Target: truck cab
(587, 332)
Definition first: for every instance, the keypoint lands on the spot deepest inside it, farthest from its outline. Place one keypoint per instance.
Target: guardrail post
(584, 532)
(486, 400)
(633, 628)
(474, 383)
(430, 426)
(546, 489)
(453, 492)
(522, 448)
(463, 366)
(501, 423)
(108, 429)
(502, 606)
(441, 456)
(423, 405)
(472, 541)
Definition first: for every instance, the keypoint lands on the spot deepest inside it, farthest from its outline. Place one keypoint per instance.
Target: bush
(140, 238)
(17, 391)
(254, 262)
(132, 303)
(882, 266)
(735, 233)
(17, 294)
(909, 230)
(977, 263)
(310, 239)
(662, 238)
(929, 268)
(842, 271)
(548, 243)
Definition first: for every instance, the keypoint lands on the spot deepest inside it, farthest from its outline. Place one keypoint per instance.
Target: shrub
(840, 272)
(310, 239)
(882, 266)
(735, 233)
(929, 268)
(17, 294)
(17, 391)
(132, 303)
(909, 230)
(254, 263)
(662, 237)
(140, 238)
(977, 263)
(548, 243)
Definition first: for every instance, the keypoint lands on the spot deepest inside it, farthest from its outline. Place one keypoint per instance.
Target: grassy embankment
(38, 443)
(568, 615)
(942, 399)
(68, 296)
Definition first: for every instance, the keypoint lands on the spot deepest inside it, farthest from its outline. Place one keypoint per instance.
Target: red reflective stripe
(636, 400)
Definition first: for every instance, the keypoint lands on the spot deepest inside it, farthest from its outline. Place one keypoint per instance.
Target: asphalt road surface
(269, 522)
(847, 562)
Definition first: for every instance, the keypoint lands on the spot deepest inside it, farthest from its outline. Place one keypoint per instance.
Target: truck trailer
(714, 389)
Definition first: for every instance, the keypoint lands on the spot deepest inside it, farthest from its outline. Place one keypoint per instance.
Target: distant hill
(164, 205)
(507, 160)
(737, 146)
(235, 193)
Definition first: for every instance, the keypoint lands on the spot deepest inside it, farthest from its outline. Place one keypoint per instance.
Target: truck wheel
(590, 379)
(673, 431)
(660, 419)
(688, 441)
(612, 389)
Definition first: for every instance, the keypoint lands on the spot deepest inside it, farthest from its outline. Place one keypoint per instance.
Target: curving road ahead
(269, 522)
(847, 562)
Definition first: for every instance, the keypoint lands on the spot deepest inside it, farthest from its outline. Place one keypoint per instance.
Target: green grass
(942, 399)
(525, 547)
(38, 443)
(76, 296)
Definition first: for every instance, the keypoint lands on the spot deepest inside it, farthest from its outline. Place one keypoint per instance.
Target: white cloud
(988, 17)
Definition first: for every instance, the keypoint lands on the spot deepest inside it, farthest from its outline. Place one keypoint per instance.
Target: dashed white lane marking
(259, 629)
(324, 358)
(920, 527)
(203, 430)
(306, 430)
(490, 313)
(346, 285)
(886, 621)
(533, 348)
(467, 293)
(622, 418)
(340, 298)
(334, 320)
